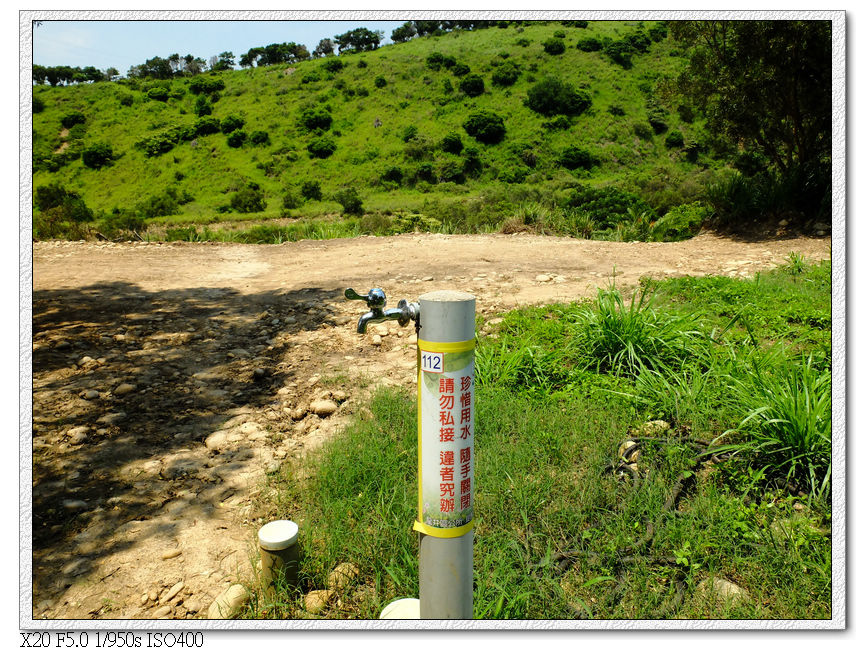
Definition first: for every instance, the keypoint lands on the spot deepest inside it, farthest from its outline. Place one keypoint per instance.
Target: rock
(783, 222)
(259, 373)
(298, 413)
(229, 603)
(428, 278)
(83, 361)
(165, 610)
(171, 593)
(248, 428)
(542, 278)
(112, 418)
(323, 408)
(654, 428)
(376, 339)
(77, 435)
(342, 576)
(272, 467)
(152, 595)
(821, 226)
(339, 396)
(124, 389)
(171, 554)
(62, 345)
(312, 381)
(238, 353)
(76, 567)
(381, 330)
(723, 592)
(193, 606)
(216, 440)
(316, 601)
(144, 599)
(74, 504)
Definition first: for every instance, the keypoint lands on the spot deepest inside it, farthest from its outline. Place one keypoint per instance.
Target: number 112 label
(432, 361)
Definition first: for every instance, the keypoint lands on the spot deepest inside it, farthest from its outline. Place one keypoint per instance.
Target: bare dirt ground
(169, 379)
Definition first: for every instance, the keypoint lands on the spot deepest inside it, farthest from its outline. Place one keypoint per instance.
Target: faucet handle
(375, 299)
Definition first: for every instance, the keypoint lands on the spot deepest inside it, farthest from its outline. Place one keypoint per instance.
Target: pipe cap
(277, 535)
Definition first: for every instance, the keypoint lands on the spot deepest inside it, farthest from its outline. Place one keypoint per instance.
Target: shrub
(203, 106)
(553, 97)
(581, 24)
(658, 32)
(321, 147)
(158, 94)
(310, 77)
(674, 140)
(681, 222)
(485, 126)
(589, 44)
(506, 75)
(448, 61)
(71, 119)
(333, 64)
(125, 99)
(620, 52)
(472, 85)
(409, 133)
(559, 33)
(236, 138)
(362, 63)
(559, 123)
(434, 61)
(447, 86)
(248, 199)
(290, 199)
(161, 205)
(607, 206)
(424, 172)
(206, 126)
(686, 113)
(38, 105)
(311, 190)
(575, 158)
(202, 84)
(554, 46)
(231, 123)
(523, 42)
(259, 137)
(393, 175)
(121, 224)
(380, 82)
(316, 118)
(452, 143)
(616, 110)
(639, 41)
(350, 201)
(97, 156)
(460, 69)
(513, 174)
(643, 130)
(451, 171)
(472, 163)
(50, 196)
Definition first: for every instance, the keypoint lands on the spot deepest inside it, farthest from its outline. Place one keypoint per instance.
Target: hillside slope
(388, 113)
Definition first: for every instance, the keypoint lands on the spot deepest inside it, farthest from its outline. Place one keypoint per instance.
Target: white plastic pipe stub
(404, 608)
(277, 535)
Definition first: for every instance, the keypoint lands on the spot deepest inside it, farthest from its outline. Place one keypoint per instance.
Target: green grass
(562, 530)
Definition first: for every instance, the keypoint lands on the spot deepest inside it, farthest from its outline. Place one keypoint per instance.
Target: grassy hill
(389, 111)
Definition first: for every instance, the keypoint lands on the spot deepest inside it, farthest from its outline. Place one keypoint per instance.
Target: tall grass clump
(788, 421)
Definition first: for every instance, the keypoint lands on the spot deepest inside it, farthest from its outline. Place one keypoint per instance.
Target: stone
(165, 610)
(428, 278)
(323, 408)
(144, 599)
(171, 593)
(229, 603)
(83, 361)
(376, 339)
(90, 394)
(316, 601)
(216, 440)
(543, 277)
(248, 428)
(124, 389)
(193, 606)
(723, 591)
(76, 567)
(152, 595)
(77, 435)
(112, 418)
(74, 504)
(339, 396)
(654, 428)
(342, 576)
(171, 554)
(298, 413)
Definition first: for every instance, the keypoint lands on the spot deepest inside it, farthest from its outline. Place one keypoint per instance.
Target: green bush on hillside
(350, 201)
(393, 175)
(71, 119)
(452, 143)
(202, 84)
(607, 206)
(231, 123)
(321, 147)
(97, 155)
(574, 157)
(506, 75)
(316, 118)
(248, 199)
(554, 46)
(620, 52)
(158, 94)
(434, 61)
(460, 69)
(259, 137)
(674, 140)
(380, 82)
(333, 64)
(589, 44)
(38, 105)
(236, 138)
(203, 106)
(311, 190)
(485, 126)
(206, 126)
(682, 222)
(125, 99)
(552, 96)
(472, 85)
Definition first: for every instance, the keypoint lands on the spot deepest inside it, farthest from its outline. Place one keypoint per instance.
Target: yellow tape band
(443, 532)
(434, 346)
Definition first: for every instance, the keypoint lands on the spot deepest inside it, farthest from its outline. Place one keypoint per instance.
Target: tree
(358, 40)
(225, 61)
(404, 32)
(766, 84)
(325, 47)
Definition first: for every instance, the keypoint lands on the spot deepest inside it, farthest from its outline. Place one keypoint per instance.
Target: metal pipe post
(446, 454)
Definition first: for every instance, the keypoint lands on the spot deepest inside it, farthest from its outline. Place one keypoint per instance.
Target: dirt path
(169, 379)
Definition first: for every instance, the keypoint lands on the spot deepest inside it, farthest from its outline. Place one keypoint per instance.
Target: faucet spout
(377, 316)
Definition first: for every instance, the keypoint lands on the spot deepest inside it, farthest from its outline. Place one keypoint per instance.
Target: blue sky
(122, 44)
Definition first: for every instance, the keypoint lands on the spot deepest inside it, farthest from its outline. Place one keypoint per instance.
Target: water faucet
(377, 301)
